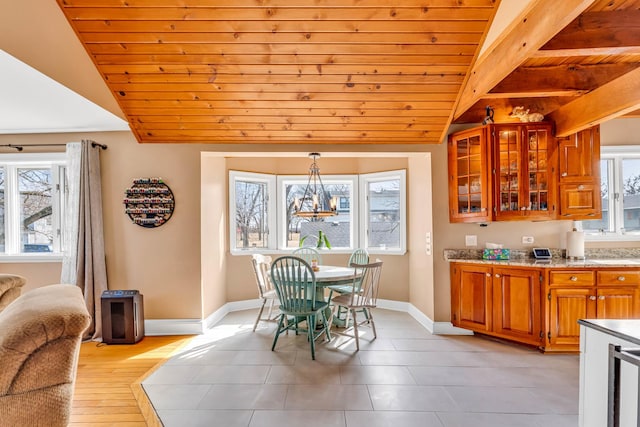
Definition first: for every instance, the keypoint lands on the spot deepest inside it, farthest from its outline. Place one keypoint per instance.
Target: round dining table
(328, 275)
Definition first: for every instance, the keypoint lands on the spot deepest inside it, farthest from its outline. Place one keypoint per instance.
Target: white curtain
(84, 263)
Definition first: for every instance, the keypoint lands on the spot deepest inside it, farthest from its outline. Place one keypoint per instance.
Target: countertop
(628, 330)
(556, 262)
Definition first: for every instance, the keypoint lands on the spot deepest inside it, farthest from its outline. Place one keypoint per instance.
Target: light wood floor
(108, 390)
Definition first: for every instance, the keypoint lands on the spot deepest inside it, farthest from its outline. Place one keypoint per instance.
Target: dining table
(328, 275)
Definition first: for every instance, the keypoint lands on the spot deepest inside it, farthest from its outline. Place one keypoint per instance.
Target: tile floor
(407, 377)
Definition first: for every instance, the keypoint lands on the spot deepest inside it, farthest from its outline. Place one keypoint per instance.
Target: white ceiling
(33, 103)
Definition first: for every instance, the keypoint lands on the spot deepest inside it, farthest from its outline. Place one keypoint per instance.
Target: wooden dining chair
(266, 291)
(295, 284)
(358, 256)
(362, 298)
(308, 254)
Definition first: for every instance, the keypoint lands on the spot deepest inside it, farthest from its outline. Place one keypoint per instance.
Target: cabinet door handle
(592, 297)
(497, 275)
(580, 187)
(573, 278)
(564, 174)
(488, 274)
(601, 297)
(621, 278)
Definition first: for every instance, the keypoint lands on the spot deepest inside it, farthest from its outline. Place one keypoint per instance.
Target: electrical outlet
(527, 240)
(471, 240)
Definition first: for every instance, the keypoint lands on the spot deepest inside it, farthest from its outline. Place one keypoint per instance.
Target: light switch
(471, 240)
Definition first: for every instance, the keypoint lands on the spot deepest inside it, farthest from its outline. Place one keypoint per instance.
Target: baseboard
(195, 326)
(199, 326)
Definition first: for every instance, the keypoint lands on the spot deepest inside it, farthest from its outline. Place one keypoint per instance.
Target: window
(385, 211)
(371, 213)
(252, 211)
(32, 191)
(620, 180)
(339, 229)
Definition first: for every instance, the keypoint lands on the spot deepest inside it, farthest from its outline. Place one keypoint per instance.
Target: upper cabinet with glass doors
(469, 193)
(525, 171)
(503, 172)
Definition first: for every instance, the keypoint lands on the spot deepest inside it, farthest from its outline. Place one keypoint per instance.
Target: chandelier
(316, 202)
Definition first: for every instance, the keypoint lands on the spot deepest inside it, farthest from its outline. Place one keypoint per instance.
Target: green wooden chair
(358, 256)
(295, 284)
(363, 297)
(308, 254)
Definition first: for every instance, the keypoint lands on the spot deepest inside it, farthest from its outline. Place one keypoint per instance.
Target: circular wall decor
(149, 202)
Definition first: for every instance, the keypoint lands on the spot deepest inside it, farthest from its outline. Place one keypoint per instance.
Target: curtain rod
(21, 147)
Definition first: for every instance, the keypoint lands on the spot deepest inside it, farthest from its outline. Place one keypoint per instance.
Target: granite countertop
(628, 330)
(595, 258)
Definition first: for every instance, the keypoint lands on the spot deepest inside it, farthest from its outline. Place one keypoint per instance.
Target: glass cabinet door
(537, 169)
(509, 170)
(468, 171)
(523, 172)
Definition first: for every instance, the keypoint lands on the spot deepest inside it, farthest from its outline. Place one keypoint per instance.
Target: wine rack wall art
(149, 202)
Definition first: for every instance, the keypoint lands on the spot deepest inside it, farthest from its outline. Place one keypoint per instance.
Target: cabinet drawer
(571, 278)
(618, 277)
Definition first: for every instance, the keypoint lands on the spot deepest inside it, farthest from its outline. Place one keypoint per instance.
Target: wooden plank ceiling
(355, 71)
(283, 71)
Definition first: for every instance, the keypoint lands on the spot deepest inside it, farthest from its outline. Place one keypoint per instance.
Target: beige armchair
(10, 288)
(40, 336)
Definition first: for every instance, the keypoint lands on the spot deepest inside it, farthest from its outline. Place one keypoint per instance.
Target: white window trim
(57, 162)
(365, 179)
(327, 179)
(616, 154)
(268, 179)
(359, 210)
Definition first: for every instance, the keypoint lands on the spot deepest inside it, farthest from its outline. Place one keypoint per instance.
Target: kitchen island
(595, 337)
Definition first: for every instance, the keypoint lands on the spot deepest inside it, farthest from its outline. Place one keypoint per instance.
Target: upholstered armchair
(40, 336)
(10, 288)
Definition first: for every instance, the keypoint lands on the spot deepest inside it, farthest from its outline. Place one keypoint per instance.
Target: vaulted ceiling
(355, 71)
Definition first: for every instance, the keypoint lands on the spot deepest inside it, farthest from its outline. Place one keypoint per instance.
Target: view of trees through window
(252, 229)
(35, 187)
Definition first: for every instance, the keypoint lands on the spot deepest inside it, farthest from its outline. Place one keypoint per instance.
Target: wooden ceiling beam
(569, 77)
(609, 101)
(536, 26)
(620, 28)
(587, 51)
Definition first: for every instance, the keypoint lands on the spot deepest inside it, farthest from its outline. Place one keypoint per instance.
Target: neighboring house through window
(620, 184)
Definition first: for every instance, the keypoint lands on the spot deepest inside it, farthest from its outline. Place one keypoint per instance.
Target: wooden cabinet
(579, 175)
(471, 296)
(499, 301)
(570, 296)
(524, 173)
(519, 171)
(516, 302)
(502, 172)
(588, 294)
(470, 196)
(540, 306)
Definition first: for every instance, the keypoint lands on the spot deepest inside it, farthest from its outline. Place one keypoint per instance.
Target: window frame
(359, 208)
(11, 163)
(365, 179)
(270, 181)
(614, 156)
(327, 180)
